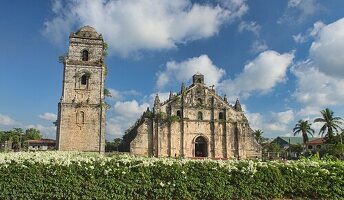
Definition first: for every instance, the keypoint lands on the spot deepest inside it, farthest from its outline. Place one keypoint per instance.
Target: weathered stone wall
(141, 145)
(81, 115)
(78, 135)
(227, 136)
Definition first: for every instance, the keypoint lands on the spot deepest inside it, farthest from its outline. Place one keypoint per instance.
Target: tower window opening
(221, 115)
(179, 113)
(200, 115)
(84, 55)
(84, 79)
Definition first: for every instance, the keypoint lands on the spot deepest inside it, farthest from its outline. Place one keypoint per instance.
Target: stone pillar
(212, 129)
(224, 135)
(182, 123)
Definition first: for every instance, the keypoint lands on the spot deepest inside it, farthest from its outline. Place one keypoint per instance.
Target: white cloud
(183, 71)
(272, 123)
(46, 131)
(48, 116)
(310, 33)
(316, 89)
(255, 120)
(129, 109)
(309, 111)
(249, 26)
(258, 46)
(299, 38)
(145, 24)
(125, 115)
(261, 74)
(317, 26)
(280, 121)
(299, 10)
(7, 120)
(316, 127)
(117, 95)
(320, 80)
(328, 49)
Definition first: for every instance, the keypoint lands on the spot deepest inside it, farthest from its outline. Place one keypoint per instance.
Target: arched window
(201, 147)
(179, 113)
(200, 115)
(84, 55)
(199, 101)
(80, 117)
(84, 79)
(221, 115)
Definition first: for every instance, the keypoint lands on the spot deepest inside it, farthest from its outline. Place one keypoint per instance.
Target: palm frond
(319, 120)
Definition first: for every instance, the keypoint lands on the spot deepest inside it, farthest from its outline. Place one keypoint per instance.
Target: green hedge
(84, 176)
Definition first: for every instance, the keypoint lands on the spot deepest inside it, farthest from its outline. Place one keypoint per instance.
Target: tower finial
(156, 100)
(225, 98)
(182, 89)
(237, 106)
(157, 104)
(198, 78)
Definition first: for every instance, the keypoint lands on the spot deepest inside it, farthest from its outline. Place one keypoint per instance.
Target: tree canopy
(303, 127)
(331, 124)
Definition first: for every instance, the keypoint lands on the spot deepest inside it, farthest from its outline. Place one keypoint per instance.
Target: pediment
(198, 95)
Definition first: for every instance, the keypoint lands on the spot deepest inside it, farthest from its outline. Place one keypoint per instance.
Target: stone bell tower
(81, 110)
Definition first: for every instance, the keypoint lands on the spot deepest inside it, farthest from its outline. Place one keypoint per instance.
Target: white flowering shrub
(76, 175)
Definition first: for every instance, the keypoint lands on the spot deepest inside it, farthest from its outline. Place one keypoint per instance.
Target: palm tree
(331, 123)
(258, 135)
(303, 127)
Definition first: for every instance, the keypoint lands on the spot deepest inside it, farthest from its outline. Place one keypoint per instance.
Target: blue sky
(282, 59)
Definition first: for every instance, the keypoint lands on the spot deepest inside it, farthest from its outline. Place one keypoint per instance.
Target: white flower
(162, 184)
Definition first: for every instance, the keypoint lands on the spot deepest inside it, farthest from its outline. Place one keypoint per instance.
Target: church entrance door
(201, 147)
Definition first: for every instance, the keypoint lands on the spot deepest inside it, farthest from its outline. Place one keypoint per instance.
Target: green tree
(113, 146)
(258, 135)
(272, 147)
(15, 135)
(331, 124)
(303, 127)
(2, 136)
(32, 134)
(296, 148)
(117, 141)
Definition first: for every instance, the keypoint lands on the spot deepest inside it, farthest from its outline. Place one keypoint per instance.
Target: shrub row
(83, 176)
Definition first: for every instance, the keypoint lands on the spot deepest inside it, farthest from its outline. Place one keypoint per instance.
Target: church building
(81, 110)
(195, 122)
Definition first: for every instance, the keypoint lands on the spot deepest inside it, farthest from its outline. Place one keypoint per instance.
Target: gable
(198, 95)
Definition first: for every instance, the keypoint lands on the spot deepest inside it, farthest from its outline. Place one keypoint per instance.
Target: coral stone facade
(81, 111)
(196, 122)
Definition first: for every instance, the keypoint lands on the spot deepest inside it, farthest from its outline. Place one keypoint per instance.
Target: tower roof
(237, 106)
(87, 31)
(87, 28)
(198, 78)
